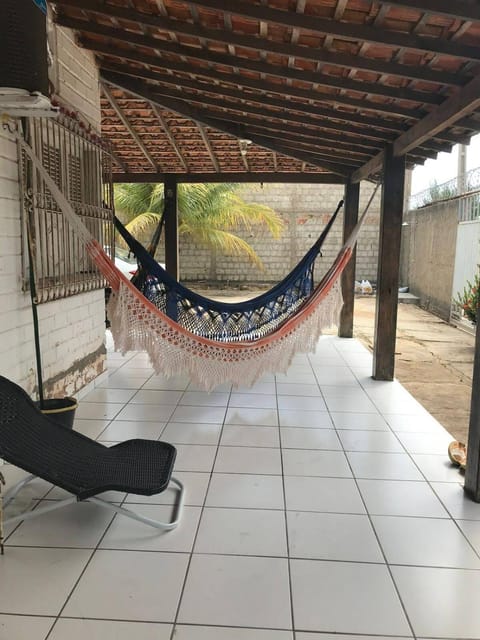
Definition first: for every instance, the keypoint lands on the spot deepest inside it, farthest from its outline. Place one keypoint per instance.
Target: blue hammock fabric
(225, 321)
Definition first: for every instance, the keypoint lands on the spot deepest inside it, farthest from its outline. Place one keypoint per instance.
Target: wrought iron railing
(463, 184)
(80, 164)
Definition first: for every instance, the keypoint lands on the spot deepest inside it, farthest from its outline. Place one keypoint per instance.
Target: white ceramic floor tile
(199, 414)
(76, 525)
(109, 630)
(471, 530)
(147, 412)
(253, 400)
(423, 542)
(156, 396)
(185, 632)
(336, 636)
(129, 585)
(305, 419)
(441, 603)
(125, 533)
(254, 532)
(24, 627)
(383, 466)
(456, 501)
(334, 495)
(237, 591)
(194, 457)
(345, 598)
(401, 498)
(258, 387)
(90, 428)
(301, 403)
(33, 491)
(295, 438)
(120, 430)
(289, 389)
(302, 462)
(327, 375)
(437, 468)
(188, 433)
(195, 483)
(373, 441)
(109, 395)
(98, 410)
(359, 421)
(294, 377)
(433, 444)
(202, 399)
(245, 491)
(254, 460)
(253, 417)
(354, 405)
(220, 388)
(402, 423)
(24, 587)
(332, 536)
(177, 383)
(244, 436)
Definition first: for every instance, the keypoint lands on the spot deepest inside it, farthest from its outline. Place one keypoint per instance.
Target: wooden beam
(460, 104)
(199, 116)
(171, 226)
(350, 219)
(472, 472)
(249, 64)
(128, 126)
(261, 98)
(388, 266)
(370, 168)
(392, 109)
(461, 9)
(169, 135)
(255, 43)
(347, 31)
(243, 177)
(207, 144)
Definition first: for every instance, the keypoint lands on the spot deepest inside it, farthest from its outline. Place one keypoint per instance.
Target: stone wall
(73, 329)
(305, 208)
(428, 255)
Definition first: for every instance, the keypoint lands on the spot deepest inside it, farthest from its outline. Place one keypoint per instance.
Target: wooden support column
(388, 266)
(472, 472)
(171, 226)
(350, 219)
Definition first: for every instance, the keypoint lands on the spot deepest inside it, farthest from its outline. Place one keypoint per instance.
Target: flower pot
(60, 410)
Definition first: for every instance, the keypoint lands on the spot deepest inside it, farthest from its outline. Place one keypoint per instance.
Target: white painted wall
(73, 329)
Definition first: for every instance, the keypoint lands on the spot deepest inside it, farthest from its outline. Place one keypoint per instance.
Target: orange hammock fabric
(136, 324)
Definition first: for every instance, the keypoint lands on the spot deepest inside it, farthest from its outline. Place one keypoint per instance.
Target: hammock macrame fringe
(136, 329)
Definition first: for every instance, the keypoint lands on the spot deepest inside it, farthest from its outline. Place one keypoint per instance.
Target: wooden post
(350, 219)
(472, 472)
(171, 226)
(388, 266)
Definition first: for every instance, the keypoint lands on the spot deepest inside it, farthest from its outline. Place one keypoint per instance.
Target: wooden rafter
(115, 106)
(247, 64)
(461, 9)
(257, 176)
(208, 146)
(169, 135)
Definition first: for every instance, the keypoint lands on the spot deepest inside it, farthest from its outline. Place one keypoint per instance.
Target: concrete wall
(305, 208)
(72, 330)
(428, 255)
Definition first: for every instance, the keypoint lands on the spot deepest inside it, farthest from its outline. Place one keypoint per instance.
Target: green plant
(469, 300)
(208, 213)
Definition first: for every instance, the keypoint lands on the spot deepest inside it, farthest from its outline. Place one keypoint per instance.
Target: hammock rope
(138, 325)
(222, 321)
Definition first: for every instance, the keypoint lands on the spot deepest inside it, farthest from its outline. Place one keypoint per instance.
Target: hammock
(222, 321)
(137, 325)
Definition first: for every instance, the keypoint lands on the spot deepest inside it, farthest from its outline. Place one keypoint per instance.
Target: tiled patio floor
(320, 506)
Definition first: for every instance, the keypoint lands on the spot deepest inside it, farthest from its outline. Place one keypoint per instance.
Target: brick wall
(72, 330)
(305, 208)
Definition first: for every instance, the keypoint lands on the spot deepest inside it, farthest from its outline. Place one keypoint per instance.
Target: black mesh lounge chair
(81, 466)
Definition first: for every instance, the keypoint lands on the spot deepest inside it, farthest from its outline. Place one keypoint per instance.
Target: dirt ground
(433, 361)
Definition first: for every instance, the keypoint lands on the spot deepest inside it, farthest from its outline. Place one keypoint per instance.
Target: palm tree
(208, 214)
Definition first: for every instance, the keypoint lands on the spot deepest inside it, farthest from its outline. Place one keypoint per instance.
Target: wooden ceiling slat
(208, 56)
(128, 126)
(349, 31)
(262, 44)
(461, 9)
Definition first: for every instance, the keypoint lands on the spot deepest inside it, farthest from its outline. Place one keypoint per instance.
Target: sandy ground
(434, 360)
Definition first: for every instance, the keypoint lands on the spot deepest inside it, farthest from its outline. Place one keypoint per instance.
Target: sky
(444, 168)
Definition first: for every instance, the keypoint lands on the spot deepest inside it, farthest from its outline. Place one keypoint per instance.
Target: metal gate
(467, 254)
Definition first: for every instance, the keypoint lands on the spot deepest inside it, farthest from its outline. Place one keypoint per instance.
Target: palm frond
(132, 199)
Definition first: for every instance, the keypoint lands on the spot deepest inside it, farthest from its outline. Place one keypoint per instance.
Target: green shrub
(469, 300)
